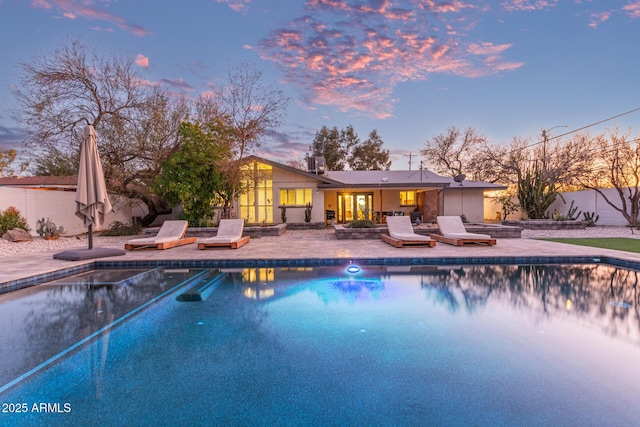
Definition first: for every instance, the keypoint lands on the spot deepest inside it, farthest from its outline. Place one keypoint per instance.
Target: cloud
(236, 5)
(177, 83)
(142, 61)
(351, 54)
(73, 9)
(528, 5)
(12, 137)
(633, 9)
(598, 18)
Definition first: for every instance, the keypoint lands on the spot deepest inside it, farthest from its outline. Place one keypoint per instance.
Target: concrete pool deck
(308, 245)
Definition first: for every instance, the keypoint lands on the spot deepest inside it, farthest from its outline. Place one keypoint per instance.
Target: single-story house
(340, 196)
(345, 196)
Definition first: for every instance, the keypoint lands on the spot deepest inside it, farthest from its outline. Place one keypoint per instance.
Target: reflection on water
(39, 322)
(455, 345)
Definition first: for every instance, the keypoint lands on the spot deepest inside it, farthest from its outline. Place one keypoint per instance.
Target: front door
(355, 206)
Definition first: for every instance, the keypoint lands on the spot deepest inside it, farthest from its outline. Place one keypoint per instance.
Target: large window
(256, 204)
(295, 196)
(407, 198)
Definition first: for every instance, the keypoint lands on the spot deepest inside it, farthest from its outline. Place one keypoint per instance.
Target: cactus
(591, 218)
(307, 213)
(571, 216)
(535, 193)
(48, 229)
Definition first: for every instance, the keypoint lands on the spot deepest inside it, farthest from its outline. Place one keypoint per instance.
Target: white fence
(585, 201)
(60, 206)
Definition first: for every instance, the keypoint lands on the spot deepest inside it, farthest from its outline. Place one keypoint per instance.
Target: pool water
(390, 345)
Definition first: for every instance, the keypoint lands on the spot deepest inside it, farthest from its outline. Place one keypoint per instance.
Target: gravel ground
(40, 245)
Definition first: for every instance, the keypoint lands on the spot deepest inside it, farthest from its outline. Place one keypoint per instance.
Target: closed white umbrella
(92, 200)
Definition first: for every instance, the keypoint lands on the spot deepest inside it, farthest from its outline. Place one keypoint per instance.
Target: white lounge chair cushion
(400, 228)
(229, 230)
(452, 226)
(170, 231)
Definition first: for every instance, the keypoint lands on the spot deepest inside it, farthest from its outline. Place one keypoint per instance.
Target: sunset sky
(409, 69)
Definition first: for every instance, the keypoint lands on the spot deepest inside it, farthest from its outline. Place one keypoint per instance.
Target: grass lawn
(618, 243)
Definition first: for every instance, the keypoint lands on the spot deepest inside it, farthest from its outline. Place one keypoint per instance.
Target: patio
(313, 244)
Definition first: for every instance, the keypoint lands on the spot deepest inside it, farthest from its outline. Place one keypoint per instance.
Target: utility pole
(410, 156)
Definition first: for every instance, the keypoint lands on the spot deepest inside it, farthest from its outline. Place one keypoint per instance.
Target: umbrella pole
(90, 232)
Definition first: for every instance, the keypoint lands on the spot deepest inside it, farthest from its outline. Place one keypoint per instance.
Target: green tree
(193, 176)
(327, 143)
(370, 155)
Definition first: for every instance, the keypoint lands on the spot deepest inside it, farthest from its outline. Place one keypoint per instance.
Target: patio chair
(453, 232)
(401, 233)
(229, 235)
(171, 234)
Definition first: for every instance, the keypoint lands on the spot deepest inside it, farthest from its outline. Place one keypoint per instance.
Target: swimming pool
(299, 345)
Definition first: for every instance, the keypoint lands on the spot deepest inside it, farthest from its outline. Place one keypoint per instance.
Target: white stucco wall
(59, 207)
(469, 202)
(586, 201)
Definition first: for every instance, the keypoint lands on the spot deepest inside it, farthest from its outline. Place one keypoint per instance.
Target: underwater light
(353, 269)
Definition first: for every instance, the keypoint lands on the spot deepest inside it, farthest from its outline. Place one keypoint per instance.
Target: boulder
(17, 235)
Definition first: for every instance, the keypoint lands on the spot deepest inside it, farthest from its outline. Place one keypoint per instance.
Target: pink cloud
(633, 9)
(236, 5)
(351, 54)
(73, 9)
(142, 61)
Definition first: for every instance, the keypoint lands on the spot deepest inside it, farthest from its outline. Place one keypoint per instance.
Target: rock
(17, 235)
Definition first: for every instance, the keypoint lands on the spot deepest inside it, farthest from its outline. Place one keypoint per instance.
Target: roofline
(322, 178)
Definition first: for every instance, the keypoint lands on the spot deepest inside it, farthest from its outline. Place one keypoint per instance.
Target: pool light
(353, 269)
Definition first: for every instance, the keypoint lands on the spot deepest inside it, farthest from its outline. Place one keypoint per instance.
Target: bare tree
(137, 125)
(7, 157)
(455, 152)
(614, 162)
(253, 110)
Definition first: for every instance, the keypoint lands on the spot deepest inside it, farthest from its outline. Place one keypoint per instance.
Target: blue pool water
(390, 345)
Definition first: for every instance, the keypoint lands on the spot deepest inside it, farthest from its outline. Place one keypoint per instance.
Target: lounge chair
(229, 235)
(401, 233)
(171, 234)
(452, 231)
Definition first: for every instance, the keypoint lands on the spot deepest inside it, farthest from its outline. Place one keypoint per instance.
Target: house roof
(39, 181)
(382, 179)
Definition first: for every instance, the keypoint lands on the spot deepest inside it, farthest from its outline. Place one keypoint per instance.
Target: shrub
(117, 228)
(10, 219)
(362, 223)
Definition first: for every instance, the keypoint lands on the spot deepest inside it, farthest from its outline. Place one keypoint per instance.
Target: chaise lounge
(453, 232)
(171, 234)
(401, 233)
(229, 235)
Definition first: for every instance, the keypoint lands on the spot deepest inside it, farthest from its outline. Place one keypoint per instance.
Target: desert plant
(48, 229)
(307, 213)
(12, 218)
(571, 216)
(117, 228)
(591, 218)
(535, 193)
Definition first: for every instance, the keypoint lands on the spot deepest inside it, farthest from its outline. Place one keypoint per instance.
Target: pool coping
(24, 282)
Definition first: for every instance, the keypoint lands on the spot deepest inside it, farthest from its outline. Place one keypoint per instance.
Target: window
(295, 196)
(407, 198)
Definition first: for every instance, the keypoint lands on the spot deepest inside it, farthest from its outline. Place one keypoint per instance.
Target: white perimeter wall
(586, 201)
(469, 202)
(60, 207)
